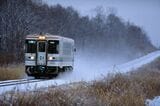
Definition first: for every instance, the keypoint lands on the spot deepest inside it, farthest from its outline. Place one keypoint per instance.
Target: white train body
(48, 54)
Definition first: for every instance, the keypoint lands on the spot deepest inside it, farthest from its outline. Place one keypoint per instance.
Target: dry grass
(11, 72)
(124, 90)
(37, 98)
(119, 90)
(129, 90)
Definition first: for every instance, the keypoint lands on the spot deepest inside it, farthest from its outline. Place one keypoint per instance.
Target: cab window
(53, 46)
(31, 46)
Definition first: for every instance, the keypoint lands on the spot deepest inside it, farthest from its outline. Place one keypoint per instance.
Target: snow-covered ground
(93, 70)
(85, 72)
(154, 102)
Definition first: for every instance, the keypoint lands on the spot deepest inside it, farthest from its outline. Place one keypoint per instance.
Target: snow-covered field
(82, 72)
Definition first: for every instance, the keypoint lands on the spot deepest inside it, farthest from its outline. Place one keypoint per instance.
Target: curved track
(75, 76)
(20, 81)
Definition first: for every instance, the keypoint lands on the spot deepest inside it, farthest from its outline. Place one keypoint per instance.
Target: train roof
(47, 37)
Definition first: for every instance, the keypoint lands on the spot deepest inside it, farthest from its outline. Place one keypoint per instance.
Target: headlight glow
(32, 58)
(42, 37)
(50, 58)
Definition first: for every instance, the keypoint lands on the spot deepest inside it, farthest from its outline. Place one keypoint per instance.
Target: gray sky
(144, 13)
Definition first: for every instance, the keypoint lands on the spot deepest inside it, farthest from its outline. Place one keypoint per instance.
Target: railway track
(20, 81)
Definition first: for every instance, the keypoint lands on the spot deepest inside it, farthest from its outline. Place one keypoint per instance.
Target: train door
(41, 53)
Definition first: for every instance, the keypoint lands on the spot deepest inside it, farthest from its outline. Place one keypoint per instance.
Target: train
(47, 55)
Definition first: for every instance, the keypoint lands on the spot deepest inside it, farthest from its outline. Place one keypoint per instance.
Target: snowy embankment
(154, 102)
(84, 75)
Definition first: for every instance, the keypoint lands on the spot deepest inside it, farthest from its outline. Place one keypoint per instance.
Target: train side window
(31, 46)
(53, 46)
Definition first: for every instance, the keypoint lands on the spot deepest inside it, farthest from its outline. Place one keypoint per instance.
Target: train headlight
(32, 57)
(42, 37)
(51, 58)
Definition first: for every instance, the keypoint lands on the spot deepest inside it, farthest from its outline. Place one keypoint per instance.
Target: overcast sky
(144, 13)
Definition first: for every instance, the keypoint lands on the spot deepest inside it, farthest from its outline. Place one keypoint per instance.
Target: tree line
(100, 34)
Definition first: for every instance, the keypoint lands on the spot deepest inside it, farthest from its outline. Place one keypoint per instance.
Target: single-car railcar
(47, 55)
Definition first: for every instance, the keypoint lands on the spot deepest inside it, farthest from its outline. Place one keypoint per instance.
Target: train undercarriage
(46, 71)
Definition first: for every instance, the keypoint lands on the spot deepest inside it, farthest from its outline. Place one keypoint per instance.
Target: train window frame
(30, 48)
(54, 50)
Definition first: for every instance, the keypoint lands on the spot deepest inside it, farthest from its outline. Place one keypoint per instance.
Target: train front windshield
(31, 46)
(53, 46)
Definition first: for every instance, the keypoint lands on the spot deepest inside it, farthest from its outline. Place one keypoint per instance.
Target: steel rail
(16, 82)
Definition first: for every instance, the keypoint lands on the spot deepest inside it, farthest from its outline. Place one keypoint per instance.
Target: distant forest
(100, 34)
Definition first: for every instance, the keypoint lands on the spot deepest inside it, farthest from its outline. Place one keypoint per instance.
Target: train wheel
(70, 68)
(67, 69)
(62, 69)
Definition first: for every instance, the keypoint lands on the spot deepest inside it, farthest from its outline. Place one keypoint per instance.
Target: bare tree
(104, 33)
